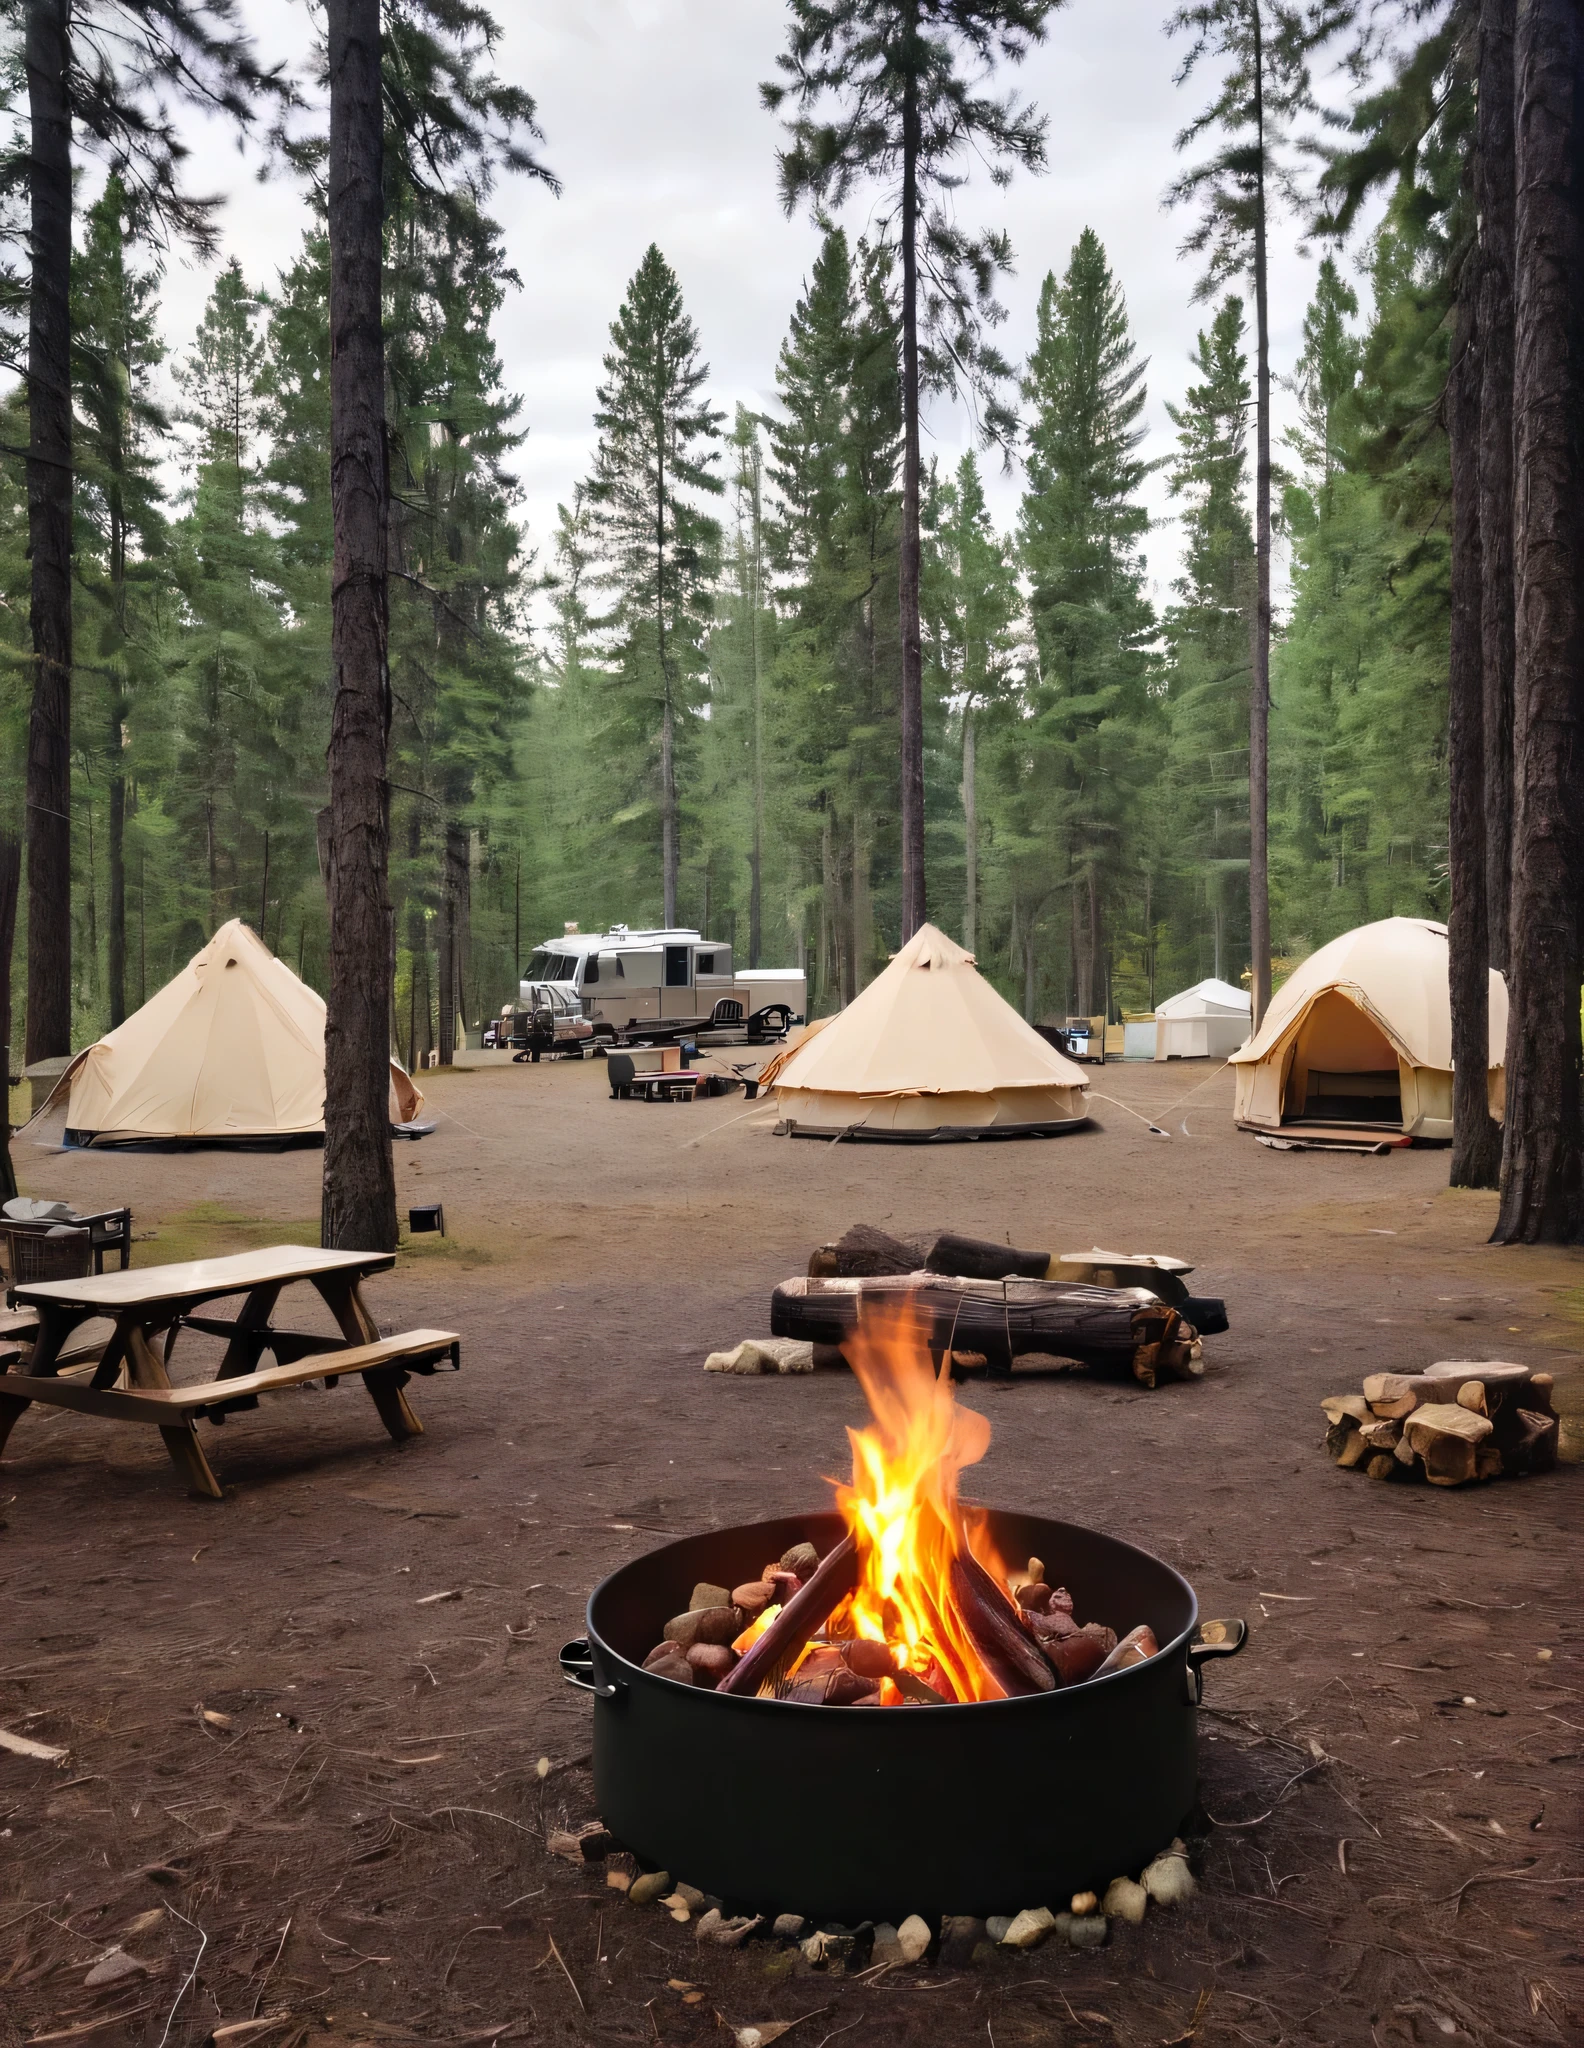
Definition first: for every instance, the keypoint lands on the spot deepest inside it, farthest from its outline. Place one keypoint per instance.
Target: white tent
(1208, 1021)
(928, 1050)
(1361, 1034)
(231, 1049)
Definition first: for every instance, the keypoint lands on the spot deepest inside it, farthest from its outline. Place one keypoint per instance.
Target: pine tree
(835, 456)
(122, 573)
(1081, 528)
(1264, 47)
(1208, 633)
(971, 608)
(235, 788)
(656, 456)
(100, 73)
(903, 78)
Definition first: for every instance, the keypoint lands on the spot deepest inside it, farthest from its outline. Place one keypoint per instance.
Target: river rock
(1029, 1928)
(1125, 1900)
(887, 1948)
(914, 1937)
(1088, 1930)
(1168, 1880)
(652, 1886)
(997, 1925)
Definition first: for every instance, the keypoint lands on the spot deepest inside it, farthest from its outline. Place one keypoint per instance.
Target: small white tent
(230, 1050)
(928, 1050)
(1361, 1034)
(1208, 1021)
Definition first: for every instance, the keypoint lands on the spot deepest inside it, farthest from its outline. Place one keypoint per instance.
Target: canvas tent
(928, 1050)
(1208, 1021)
(231, 1050)
(1361, 1035)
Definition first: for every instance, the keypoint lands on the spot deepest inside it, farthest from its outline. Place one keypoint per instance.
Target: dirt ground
(1389, 1844)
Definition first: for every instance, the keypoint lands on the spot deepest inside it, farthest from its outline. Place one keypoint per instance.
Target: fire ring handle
(1212, 1639)
(577, 1668)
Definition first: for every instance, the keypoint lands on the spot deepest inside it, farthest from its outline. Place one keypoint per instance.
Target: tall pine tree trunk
(1476, 1140)
(1543, 1153)
(756, 858)
(454, 895)
(359, 1201)
(669, 857)
(1259, 677)
(1495, 202)
(49, 492)
(115, 910)
(10, 888)
(914, 909)
(970, 804)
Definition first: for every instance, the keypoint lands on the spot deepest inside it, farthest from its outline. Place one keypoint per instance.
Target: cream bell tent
(1361, 1034)
(230, 1051)
(1208, 1021)
(929, 1050)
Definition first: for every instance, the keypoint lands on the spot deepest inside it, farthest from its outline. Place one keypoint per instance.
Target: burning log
(1136, 1647)
(792, 1625)
(1459, 1420)
(862, 1252)
(1120, 1329)
(998, 1636)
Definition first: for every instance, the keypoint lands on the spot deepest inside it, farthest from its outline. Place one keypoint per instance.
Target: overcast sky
(652, 121)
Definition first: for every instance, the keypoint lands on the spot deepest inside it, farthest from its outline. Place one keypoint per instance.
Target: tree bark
(49, 492)
(914, 909)
(10, 887)
(756, 859)
(1495, 201)
(970, 804)
(1543, 1152)
(1259, 667)
(1476, 1139)
(359, 1201)
(453, 937)
(669, 860)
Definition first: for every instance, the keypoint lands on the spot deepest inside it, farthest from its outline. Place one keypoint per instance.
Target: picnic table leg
(145, 1368)
(53, 1331)
(345, 1302)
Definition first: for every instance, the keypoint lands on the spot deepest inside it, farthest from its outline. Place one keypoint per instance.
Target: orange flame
(902, 1507)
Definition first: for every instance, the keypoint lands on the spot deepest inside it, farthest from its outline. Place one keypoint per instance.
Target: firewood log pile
(787, 1636)
(1461, 1420)
(986, 1304)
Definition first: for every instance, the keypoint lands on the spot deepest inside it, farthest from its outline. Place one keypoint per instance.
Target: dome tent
(229, 1051)
(1208, 1021)
(1361, 1035)
(929, 1050)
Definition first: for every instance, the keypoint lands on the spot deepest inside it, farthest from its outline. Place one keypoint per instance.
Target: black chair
(619, 1072)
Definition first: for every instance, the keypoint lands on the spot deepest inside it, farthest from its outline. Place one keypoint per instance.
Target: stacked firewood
(986, 1304)
(1460, 1420)
(784, 1636)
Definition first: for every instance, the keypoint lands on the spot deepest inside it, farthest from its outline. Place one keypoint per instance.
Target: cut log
(1102, 1327)
(1077, 1657)
(1471, 1395)
(1446, 1438)
(1353, 1451)
(864, 1252)
(1337, 1406)
(1380, 1465)
(976, 1258)
(808, 1609)
(1154, 1270)
(1537, 1395)
(998, 1635)
(1396, 1394)
(1534, 1444)
(1382, 1435)
(1339, 1436)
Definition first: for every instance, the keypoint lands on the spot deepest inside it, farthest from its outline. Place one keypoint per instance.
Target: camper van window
(591, 968)
(706, 963)
(676, 966)
(538, 968)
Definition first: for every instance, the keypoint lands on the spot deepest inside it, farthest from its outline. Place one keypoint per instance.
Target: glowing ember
(903, 1509)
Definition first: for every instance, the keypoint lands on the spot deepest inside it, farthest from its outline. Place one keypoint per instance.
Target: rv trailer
(646, 986)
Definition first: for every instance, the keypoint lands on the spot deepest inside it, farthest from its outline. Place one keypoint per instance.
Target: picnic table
(126, 1378)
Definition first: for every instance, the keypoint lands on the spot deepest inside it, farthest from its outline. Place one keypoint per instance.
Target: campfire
(914, 1606)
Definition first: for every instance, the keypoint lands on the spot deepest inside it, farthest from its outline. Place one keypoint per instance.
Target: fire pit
(977, 1781)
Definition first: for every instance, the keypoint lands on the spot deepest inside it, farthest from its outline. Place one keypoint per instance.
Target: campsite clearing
(285, 1744)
